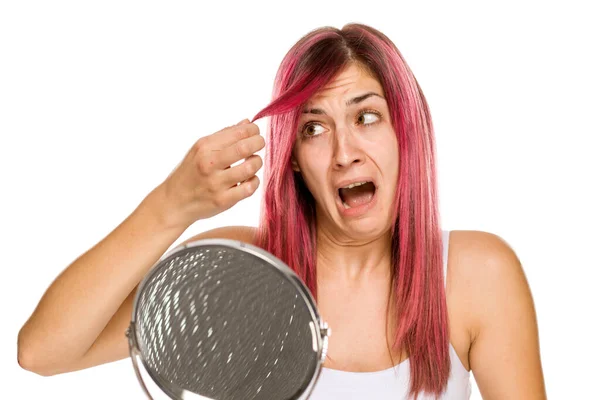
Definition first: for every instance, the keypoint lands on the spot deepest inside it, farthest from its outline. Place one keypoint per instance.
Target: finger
(241, 191)
(238, 151)
(228, 136)
(242, 122)
(243, 171)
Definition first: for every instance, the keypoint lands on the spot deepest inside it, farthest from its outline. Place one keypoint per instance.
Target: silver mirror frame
(319, 328)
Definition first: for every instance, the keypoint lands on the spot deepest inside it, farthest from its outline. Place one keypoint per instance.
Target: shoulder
(485, 269)
(498, 310)
(481, 257)
(244, 234)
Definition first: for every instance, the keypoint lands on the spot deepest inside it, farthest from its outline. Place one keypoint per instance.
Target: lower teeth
(346, 206)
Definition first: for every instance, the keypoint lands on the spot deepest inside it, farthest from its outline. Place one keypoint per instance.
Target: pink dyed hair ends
(287, 225)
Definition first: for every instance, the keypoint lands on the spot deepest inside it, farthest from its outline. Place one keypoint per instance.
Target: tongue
(358, 195)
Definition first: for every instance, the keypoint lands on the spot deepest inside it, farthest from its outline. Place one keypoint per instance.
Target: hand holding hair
(204, 184)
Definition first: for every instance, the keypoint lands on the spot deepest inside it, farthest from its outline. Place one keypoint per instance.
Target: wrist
(158, 207)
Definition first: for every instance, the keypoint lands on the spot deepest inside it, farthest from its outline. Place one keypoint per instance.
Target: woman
(350, 203)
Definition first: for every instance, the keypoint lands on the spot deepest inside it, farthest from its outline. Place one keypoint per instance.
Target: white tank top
(391, 383)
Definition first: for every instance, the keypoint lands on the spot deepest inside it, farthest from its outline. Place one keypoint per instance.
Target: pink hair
(287, 226)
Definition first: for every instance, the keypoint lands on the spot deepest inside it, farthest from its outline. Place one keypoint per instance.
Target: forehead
(351, 81)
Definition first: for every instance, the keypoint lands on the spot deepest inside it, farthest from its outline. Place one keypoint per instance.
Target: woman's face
(345, 135)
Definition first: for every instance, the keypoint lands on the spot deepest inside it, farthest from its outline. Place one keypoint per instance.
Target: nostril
(340, 162)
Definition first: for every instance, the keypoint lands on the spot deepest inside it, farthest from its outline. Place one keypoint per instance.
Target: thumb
(244, 121)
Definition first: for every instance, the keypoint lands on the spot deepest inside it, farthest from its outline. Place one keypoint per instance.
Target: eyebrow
(350, 102)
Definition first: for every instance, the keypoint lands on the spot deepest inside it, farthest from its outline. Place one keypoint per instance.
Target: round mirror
(222, 319)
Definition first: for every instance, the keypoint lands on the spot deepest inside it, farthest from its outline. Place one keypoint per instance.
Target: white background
(99, 101)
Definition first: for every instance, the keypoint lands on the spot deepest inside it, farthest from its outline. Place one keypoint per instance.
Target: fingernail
(245, 120)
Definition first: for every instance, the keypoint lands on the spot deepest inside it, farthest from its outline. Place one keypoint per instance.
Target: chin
(367, 228)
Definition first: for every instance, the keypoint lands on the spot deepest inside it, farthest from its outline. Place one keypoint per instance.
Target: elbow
(29, 359)
(27, 364)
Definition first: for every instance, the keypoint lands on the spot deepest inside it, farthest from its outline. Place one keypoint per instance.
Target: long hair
(287, 226)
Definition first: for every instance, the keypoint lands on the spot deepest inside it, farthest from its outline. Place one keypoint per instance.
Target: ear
(295, 166)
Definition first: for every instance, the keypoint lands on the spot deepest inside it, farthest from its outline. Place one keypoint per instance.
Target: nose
(346, 151)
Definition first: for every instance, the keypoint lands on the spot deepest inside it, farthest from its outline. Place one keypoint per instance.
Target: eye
(312, 129)
(368, 117)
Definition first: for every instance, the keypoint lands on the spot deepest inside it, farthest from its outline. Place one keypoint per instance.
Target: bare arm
(81, 319)
(111, 344)
(505, 353)
(84, 297)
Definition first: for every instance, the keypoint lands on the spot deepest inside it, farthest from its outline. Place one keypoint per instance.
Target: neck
(353, 262)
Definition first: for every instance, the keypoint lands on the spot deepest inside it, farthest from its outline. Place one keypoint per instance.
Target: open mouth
(357, 194)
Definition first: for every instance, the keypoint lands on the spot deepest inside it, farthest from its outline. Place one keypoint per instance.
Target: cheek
(388, 157)
(314, 173)
(393, 156)
(392, 149)
(312, 159)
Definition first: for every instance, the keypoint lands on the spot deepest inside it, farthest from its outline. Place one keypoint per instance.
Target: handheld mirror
(222, 319)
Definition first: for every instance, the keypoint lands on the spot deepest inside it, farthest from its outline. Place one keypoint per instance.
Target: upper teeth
(350, 186)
